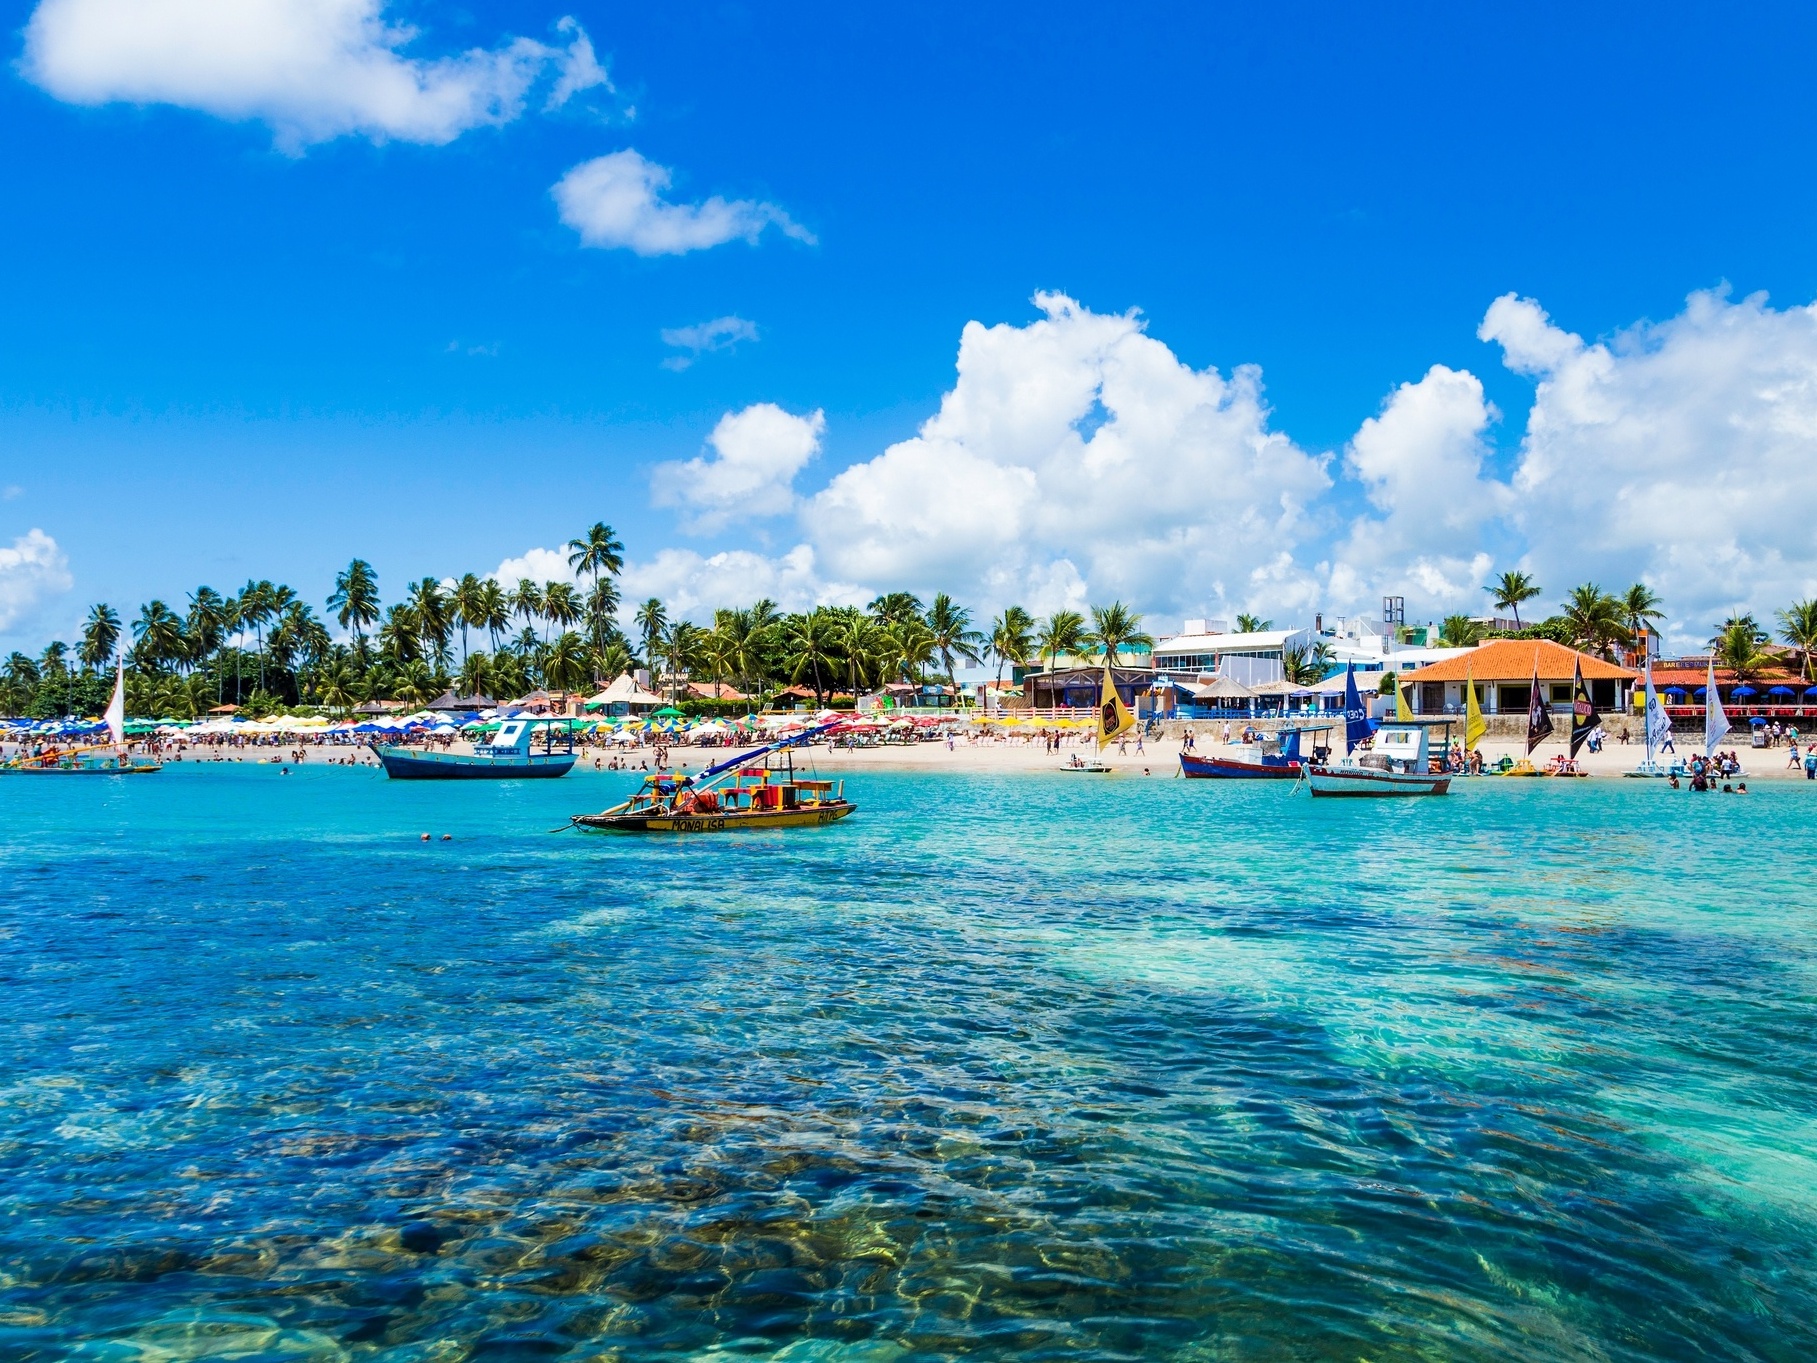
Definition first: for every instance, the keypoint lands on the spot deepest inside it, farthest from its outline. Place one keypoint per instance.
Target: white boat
(1398, 764)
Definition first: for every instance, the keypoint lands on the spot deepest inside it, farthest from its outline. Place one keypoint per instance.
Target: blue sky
(241, 339)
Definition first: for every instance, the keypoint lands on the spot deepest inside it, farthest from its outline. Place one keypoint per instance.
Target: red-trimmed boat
(1271, 757)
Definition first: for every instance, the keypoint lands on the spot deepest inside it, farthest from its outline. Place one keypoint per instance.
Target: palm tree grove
(264, 649)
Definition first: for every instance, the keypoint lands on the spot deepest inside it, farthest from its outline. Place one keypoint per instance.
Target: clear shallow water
(1031, 1068)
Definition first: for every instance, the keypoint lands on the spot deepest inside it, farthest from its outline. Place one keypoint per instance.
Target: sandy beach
(1155, 759)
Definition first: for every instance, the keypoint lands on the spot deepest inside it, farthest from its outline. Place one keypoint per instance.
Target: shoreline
(1158, 758)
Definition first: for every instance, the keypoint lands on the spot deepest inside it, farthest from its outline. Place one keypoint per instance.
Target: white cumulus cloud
(694, 585)
(32, 570)
(1076, 449)
(539, 565)
(1680, 453)
(311, 69)
(617, 201)
(756, 454)
(1422, 465)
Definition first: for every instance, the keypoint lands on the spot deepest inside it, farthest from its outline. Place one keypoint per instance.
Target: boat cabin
(1400, 746)
(515, 737)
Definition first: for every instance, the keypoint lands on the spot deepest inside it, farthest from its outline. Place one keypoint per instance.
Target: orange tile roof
(1512, 660)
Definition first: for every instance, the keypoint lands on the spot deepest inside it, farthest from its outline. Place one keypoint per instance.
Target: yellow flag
(1402, 710)
(1475, 726)
(1113, 715)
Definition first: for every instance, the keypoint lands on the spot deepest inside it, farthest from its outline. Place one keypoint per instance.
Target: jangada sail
(1113, 715)
(1539, 714)
(116, 708)
(1715, 718)
(1659, 723)
(1357, 725)
(1584, 718)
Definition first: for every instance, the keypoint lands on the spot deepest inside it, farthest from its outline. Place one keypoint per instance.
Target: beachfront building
(624, 697)
(1082, 687)
(1502, 672)
(1247, 658)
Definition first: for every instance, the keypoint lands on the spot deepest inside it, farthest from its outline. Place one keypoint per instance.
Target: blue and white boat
(510, 756)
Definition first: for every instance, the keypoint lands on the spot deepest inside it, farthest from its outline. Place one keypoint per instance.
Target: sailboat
(1114, 720)
(1715, 718)
(1657, 727)
(110, 759)
(1399, 764)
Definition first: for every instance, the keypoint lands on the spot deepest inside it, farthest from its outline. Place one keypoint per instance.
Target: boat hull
(1229, 769)
(1370, 781)
(814, 816)
(145, 770)
(403, 764)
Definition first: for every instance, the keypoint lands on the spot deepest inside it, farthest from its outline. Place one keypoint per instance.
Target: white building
(1254, 659)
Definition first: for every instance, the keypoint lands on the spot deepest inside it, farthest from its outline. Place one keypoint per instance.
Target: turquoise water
(1014, 1068)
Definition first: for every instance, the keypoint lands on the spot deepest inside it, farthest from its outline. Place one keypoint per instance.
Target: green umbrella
(668, 712)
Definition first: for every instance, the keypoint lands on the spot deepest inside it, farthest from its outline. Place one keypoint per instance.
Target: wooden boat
(758, 789)
(1400, 764)
(81, 762)
(1087, 765)
(1276, 758)
(510, 756)
(91, 759)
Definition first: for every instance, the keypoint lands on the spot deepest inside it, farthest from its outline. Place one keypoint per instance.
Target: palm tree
(1738, 648)
(158, 633)
(100, 636)
(565, 662)
(477, 675)
(1640, 608)
(651, 619)
(602, 606)
(893, 608)
(429, 605)
(207, 626)
(468, 602)
(53, 668)
(1252, 624)
(1460, 631)
(1509, 590)
(1012, 639)
(400, 636)
(1113, 628)
(954, 637)
(495, 611)
(1307, 666)
(681, 648)
(561, 604)
(526, 600)
(258, 603)
(334, 686)
(1798, 627)
(355, 602)
(1063, 632)
(415, 684)
(1593, 618)
(598, 552)
(809, 644)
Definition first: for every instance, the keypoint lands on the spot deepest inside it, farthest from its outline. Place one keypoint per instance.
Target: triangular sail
(1715, 718)
(1658, 722)
(1475, 726)
(1584, 718)
(1114, 718)
(1403, 711)
(1539, 714)
(116, 708)
(1357, 727)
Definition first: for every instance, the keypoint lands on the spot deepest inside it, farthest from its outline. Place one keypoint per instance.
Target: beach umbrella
(1781, 691)
(1675, 690)
(1744, 691)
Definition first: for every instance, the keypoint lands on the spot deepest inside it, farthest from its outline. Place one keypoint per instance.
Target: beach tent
(624, 691)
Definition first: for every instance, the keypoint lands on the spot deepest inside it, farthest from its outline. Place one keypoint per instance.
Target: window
(1561, 693)
(1432, 698)
(1509, 699)
(1602, 693)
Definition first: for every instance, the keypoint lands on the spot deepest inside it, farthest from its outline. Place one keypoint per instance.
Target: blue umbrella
(1698, 692)
(1810, 690)
(1679, 690)
(1744, 691)
(1782, 691)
